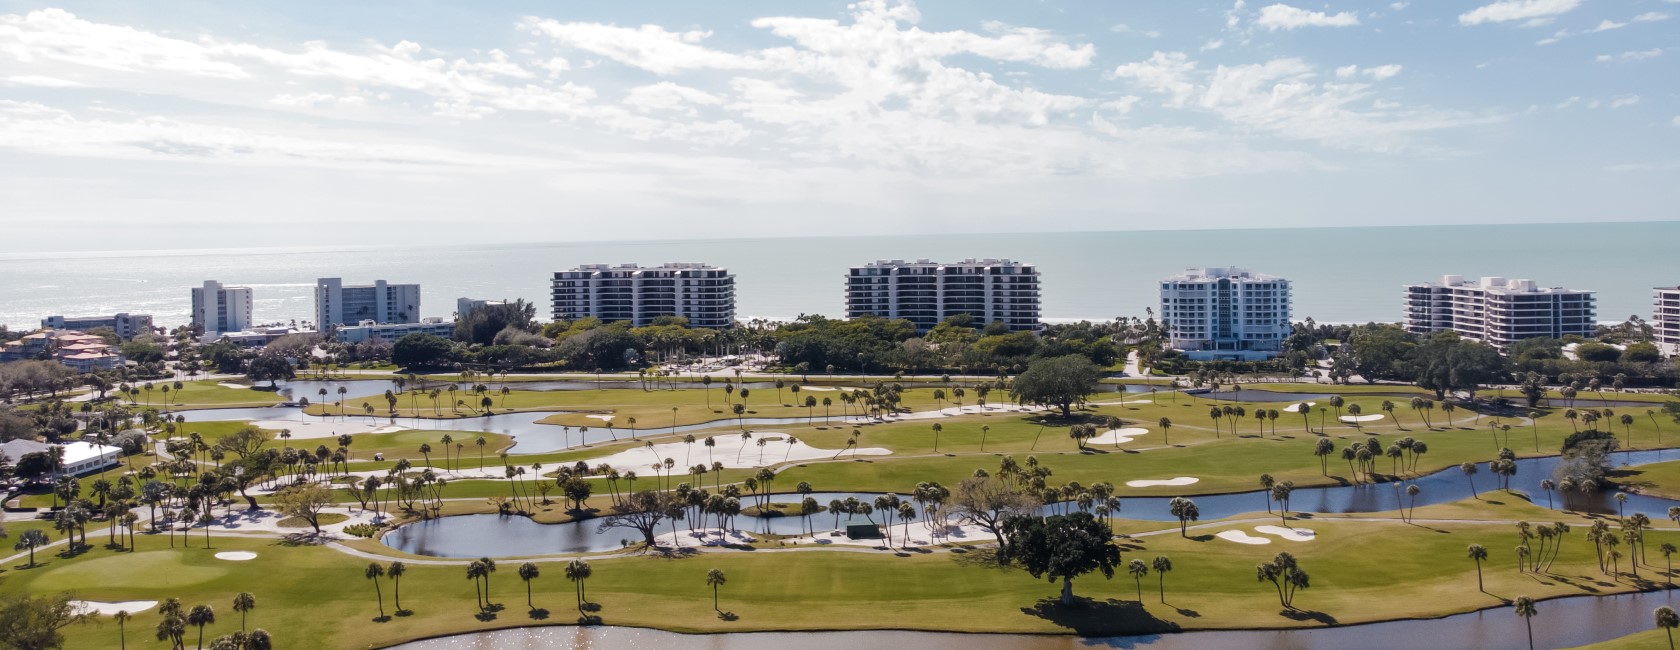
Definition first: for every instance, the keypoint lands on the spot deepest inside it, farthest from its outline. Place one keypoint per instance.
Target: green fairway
(321, 600)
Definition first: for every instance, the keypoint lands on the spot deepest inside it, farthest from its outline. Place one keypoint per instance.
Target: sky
(184, 124)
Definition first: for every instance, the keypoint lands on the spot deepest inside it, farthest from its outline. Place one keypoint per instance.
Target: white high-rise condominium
(1665, 318)
(1498, 311)
(381, 302)
(1226, 313)
(702, 293)
(220, 308)
(926, 292)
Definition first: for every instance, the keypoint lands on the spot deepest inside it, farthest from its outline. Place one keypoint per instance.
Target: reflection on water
(514, 536)
(1561, 623)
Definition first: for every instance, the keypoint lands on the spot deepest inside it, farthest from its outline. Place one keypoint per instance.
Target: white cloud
(649, 47)
(1533, 12)
(58, 35)
(1624, 100)
(1123, 28)
(1285, 97)
(667, 96)
(45, 130)
(1122, 105)
(1382, 72)
(1573, 100)
(315, 99)
(1281, 16)
(1399, 6)
(43, 81)
(1164, 72)
(1213, 44)
(1606, 25)
(1650, 17)
(1635, 55)
(1677, 120)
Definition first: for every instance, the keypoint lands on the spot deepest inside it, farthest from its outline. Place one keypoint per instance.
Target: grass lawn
(1656, 479)
(1362, 570)
(651, 409)
(1653, 639)
(1192, 447)
(201, 394)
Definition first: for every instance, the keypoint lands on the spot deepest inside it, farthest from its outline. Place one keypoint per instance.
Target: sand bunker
(1291, 534)
(1117, 436)
(604, 418)
(234, 386)
(1350, 419)
(826, 389)
(1241, 537)
(1179, 480)
(1296, 408)
(236, 556)
(731, 450)
(108, 609)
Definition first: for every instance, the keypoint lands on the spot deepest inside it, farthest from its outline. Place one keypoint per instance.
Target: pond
(1560, 623)
(530, 436)
(461, 536)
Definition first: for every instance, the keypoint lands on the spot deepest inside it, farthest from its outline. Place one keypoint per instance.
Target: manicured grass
(325, 519)
(202, 394)
(1656, 479)
(1361, 571)
(1653, 639)
(651, 408)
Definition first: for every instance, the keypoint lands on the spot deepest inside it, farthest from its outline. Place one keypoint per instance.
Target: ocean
(1340, 274)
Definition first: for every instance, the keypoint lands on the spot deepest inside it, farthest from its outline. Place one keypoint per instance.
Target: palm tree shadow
(1308, 615)
(728, 616)
(539, 614)
(1091, 617)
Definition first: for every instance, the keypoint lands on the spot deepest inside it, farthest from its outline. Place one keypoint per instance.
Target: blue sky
(192, 124)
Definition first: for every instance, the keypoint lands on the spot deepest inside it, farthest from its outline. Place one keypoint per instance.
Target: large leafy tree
(421, 351)
(1061, 547)
(1448, 363)
(1380, 352)
(1062, 381)
(28, 621)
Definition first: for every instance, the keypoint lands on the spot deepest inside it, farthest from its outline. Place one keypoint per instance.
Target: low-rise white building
(1499, 311)
(464, 306)
(1226, 313)
(79, 457)
(126, 325)
(369, 329)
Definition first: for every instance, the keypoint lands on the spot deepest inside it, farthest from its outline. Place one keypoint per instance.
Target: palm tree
(1322, 449)
(1668, 551)
(31, 539)
(396, 571)
(1162, 564)
(1138, 570)
(374, 572)
(481, 442)
(1186, 512)
(937, 428)
(122, 617)
(244, 603)
(1525, 608)
(1478, 553)
(715, 579)
(579, 571)
(1164, 423)
(200, 616)
(984, 429)
(1667, 620)
(528, 572)
(1412, 492)
(1469, 470)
